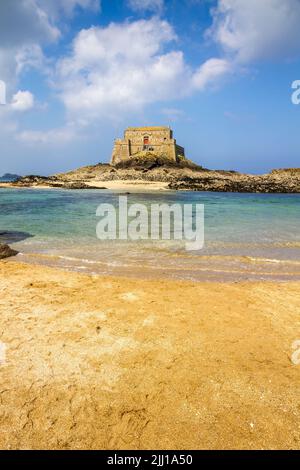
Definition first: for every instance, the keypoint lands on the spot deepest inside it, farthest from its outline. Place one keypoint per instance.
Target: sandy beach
(112, 363)
(131, 185)
(115, 185)
(149, 228)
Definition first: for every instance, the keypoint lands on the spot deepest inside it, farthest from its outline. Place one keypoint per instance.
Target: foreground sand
(96, 362)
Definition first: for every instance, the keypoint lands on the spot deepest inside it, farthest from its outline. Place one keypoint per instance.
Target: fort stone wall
(158, 140)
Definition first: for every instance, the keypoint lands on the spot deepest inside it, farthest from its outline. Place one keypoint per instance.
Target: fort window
(146, 140)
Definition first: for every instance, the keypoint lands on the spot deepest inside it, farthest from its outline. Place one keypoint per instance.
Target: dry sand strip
(114, 185)
(106, 363)
(130, 185)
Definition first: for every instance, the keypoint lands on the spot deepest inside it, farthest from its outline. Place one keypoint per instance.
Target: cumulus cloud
(25, 27)
(121, 67)
(253, 30)
(125, 66)
(209, 72)
(22, 101)
(144, 5)
(30, 56)
(24, 21)
(248, 32)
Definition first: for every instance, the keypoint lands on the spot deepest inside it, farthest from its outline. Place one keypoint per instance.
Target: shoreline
(104, 362)
(263, 269)
(139, 186)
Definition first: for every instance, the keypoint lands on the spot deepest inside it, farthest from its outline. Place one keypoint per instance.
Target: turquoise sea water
(247, 236)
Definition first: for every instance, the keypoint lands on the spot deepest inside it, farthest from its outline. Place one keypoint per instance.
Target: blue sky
(219, 72)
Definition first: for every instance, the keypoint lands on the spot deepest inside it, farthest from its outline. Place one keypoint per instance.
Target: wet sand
(106, 363)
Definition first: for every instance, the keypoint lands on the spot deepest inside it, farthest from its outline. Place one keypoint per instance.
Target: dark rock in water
(6, 251)
(96, 187)
(11, 236)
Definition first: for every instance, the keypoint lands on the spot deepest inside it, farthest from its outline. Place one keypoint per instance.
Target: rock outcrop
(270, 183)
(6, 251)
(34, 180)
(148, 161)
(52, 181)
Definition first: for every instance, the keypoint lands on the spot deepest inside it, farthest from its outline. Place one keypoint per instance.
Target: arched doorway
(146, 142)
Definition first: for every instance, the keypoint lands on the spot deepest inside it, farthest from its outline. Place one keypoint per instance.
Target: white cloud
(25, 27)
(144, 5)
(249, 31)
(25, 22)
(257, 29)
(22, 101)
(123, 67)
(120, 68)
(30, 56)
(137, 41)
(210, 72)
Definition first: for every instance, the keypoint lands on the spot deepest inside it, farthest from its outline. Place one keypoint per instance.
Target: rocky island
(148, 170)
(149, 158)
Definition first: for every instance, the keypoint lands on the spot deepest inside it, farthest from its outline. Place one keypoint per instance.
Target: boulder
(6, 251)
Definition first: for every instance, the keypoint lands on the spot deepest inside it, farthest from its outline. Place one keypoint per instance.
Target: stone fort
(158, 140)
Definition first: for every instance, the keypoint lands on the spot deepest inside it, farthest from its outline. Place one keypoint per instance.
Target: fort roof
(145, 129)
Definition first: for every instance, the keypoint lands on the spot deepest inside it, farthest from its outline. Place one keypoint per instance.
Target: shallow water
(247, 236)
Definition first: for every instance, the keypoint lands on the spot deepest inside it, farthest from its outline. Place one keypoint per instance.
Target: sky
(76, 73)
